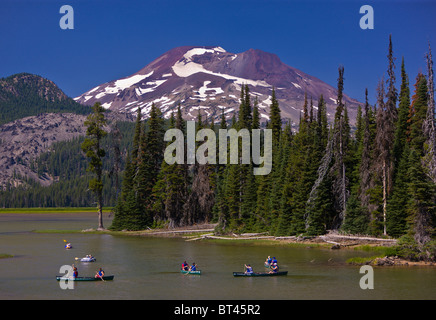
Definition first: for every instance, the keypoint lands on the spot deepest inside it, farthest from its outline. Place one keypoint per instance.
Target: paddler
(185, 266)
(100, 274)
(193, 267)
(248, 269)
(75, 272)
(274, 268)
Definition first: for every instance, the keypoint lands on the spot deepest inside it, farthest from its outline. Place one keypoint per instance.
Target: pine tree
(170, 190)
(148, 167)
(320, 210)
(319, 206)
(340, 149)
(276, 180)
(403, 111)
(200, 201)
(366, 162)
(357, 217)
(256, 116)
(266, 218)
(114, 172)
(397, 222)
(95, 124)
(417, 115)
(220, 201)
(136, 137)
(422, 202)
(245, 116)
(275, 121)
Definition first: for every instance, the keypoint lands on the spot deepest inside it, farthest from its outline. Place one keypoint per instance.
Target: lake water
(148, 268)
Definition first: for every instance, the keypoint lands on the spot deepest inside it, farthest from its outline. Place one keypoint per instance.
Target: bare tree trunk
(384, 196)
(100, 214)
(429, 124)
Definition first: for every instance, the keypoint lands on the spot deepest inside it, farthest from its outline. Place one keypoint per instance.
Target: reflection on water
(148, 268)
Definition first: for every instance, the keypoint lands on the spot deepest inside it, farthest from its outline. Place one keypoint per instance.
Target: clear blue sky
(112, 39)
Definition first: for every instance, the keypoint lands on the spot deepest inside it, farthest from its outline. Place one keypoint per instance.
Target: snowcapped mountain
(209, 79)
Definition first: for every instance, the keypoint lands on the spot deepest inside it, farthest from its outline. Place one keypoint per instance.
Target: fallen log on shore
(336, 245)
(359, 238)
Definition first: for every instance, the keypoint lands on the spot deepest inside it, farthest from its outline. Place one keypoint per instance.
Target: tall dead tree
(365, 165)
(340, 141)
(386, 119)
(429, 123)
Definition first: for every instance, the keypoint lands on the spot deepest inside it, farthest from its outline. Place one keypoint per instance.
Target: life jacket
(249, 270)
(193, 268)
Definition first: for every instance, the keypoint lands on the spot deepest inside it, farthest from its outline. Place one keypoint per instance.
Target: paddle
(189, 271)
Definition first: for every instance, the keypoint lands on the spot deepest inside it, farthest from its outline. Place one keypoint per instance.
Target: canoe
(260, 274)
(198, 272)
(88, 259)
(58, 278)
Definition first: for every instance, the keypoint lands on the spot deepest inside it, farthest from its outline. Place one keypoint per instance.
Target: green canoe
(58, 278)
(260, 274)
(198, 272)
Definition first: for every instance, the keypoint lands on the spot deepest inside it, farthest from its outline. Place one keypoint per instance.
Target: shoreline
(53, 210)
(330, 241)
(206, 232)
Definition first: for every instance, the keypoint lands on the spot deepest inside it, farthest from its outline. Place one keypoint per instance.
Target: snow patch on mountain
(185, 67)
(128, 82)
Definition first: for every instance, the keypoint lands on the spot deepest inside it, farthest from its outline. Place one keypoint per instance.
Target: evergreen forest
(379, 179)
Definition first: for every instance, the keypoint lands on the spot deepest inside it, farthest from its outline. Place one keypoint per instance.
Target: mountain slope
(209, 79)
(25, 94)
(24, 139)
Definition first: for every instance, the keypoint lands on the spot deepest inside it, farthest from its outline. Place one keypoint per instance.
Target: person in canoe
(193, 267)
(274, 268)
(100, 274)
(248, 269)
(268, 262)
(75, 272)
(185, 266)
(68, 246)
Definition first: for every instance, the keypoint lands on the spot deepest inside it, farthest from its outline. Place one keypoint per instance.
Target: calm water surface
(148, 268)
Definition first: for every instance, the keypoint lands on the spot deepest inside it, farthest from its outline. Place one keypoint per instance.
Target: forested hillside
(378, 180)
(67, 164)
(25, 94)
